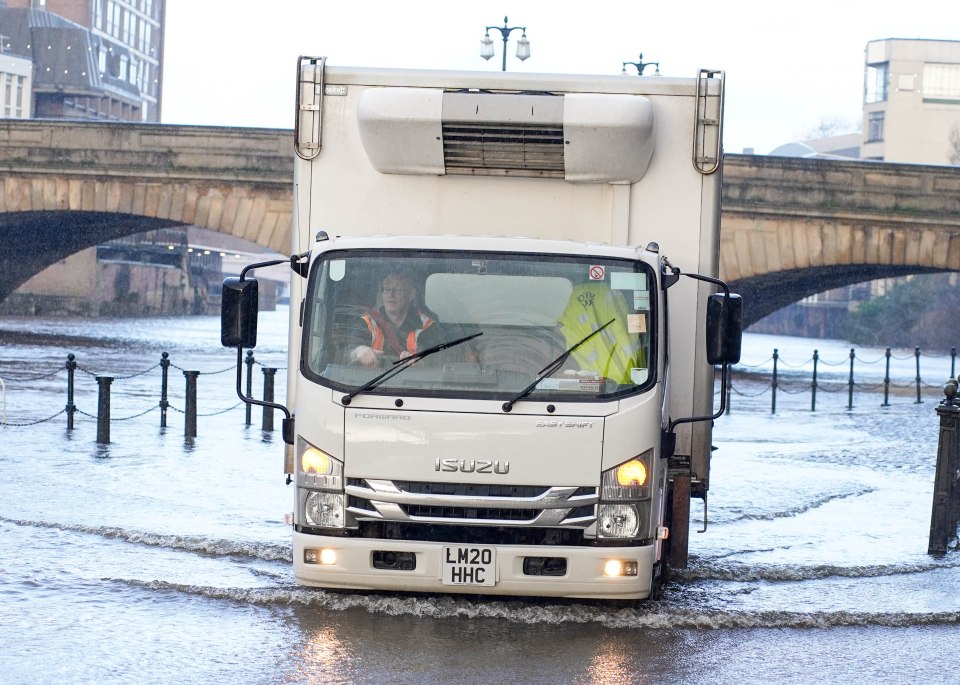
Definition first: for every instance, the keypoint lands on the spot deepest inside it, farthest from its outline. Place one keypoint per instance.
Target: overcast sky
(789, 65)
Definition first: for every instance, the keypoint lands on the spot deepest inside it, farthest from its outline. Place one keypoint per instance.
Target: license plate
(469, 565)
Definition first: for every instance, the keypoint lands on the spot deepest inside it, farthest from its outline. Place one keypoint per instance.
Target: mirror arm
(716, 281)
(724, 380)
(294, 260)
(287, 427)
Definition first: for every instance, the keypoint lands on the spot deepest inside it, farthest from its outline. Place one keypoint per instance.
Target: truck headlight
(317, 469)
(323, 509)
(628, 481)
(617, 521)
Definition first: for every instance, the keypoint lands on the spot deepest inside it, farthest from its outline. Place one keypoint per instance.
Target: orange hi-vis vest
(383, 332)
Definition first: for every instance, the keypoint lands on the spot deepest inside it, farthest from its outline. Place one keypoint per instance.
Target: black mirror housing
(724, 328)
(239, 307)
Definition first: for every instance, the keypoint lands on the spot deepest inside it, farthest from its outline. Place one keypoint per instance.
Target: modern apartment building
(911, 107)
(92, 59)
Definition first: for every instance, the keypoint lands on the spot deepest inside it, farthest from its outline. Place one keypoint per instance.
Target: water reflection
(614, 664)
(322, 658)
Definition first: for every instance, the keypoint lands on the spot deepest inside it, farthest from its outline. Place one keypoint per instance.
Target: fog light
(615, 567)
(325, 557)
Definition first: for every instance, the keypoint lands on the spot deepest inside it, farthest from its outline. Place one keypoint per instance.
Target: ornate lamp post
(523, 45)
(641, 65)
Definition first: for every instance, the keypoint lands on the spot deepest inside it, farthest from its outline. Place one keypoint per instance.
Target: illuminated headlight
(317, 469)
(323, 509)
(617, 521)
(628, 481)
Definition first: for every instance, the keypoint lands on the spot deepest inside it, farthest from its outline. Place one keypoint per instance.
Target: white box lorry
(498, 382)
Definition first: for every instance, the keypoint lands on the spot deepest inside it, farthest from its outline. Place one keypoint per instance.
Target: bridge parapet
(147, 151)
(834, 188)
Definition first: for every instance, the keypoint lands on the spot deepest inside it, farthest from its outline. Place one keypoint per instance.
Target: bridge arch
(795, 227)
(69, 186)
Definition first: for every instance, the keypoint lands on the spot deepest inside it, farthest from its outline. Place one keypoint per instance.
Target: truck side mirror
(724, 328)
(239, 306)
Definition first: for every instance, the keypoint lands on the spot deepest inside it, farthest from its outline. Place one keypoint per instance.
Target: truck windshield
(367, 310)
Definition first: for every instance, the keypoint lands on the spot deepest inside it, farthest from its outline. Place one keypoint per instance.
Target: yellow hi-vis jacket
(612, 352)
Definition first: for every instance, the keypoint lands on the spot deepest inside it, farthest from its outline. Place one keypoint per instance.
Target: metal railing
(105, 383)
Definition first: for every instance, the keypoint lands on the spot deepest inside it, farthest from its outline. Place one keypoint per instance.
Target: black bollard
(190, 410)
(946, 493)
(729, 395)
(268, 379)
(916, 351)
(953, 362)
(773, 383)
(249, 361)
(850, 383)
(813, 383)
(103, 409)
(164, 368)
(71, 407)
(886, 382)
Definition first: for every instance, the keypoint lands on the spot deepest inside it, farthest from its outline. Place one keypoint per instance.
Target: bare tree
(831, 127)
(953, 151)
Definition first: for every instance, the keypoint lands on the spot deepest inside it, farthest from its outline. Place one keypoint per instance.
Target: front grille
(495, 148)
(470, 535)
(477, 514)
(471, 504)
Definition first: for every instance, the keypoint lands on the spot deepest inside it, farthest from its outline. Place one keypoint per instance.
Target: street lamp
(641, 65)
(523, 45)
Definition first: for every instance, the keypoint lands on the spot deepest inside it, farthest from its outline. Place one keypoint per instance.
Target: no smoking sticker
(597, 272)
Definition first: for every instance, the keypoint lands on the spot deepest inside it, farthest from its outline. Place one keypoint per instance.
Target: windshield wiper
(404, 363)
(552, 366)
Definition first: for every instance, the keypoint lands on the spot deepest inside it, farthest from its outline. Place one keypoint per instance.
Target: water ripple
(751, 573)
(650, 615)
(199, 545)
(802, 508)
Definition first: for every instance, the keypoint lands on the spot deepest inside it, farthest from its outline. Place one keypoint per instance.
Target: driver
(394, 327)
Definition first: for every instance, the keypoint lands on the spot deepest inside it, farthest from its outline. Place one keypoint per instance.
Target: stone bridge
(790, 227)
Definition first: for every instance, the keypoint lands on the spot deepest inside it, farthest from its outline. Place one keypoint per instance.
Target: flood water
(157, 559)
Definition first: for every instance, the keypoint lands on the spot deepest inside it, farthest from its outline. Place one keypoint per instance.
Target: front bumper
(583, 579)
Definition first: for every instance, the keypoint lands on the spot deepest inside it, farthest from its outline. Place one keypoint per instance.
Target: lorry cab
(527, 412)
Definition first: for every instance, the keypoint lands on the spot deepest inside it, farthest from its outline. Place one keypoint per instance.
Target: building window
(20, 97)
(941, 82)
(98, 14)
(115, 26)
(876, 82)
(7, 94)
(874, 127)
